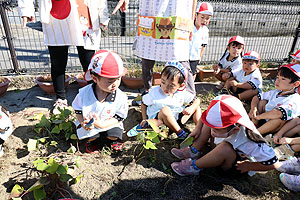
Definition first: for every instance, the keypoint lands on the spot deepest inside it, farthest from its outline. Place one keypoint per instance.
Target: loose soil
(125, 175)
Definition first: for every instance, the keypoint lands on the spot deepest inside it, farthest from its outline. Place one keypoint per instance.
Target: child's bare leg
(200, 141)
(271, 126)
(295, 147)
(166, 116)
(260, 109)
(218, 76)
(197, 115)
(223, 155)
(248, 94)
(292, 131)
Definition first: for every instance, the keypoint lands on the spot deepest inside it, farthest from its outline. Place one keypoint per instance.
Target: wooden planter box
(205, 73)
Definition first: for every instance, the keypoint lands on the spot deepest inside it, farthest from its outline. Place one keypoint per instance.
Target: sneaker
(185, 168)
(283, 152)
(291, 165)
(59, 103)
(292, 182)
(134, 131)
(117, 145)
(1, 150)
(185, 153)
(92, 147)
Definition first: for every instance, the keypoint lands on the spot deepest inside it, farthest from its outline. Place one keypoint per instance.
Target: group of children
(101, 108)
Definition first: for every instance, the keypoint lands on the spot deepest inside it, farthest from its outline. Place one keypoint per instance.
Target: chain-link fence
(268, 26)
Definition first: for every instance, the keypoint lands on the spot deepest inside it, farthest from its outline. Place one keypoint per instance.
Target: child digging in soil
(225, 118)
(101, 107)
(231, 61)
(272, 109)
(246, 82)
(6, 128)
(166, 102)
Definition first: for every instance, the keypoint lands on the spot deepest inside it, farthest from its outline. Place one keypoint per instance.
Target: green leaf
(53, 166)
(35, 186)
(19, 198)
(61, 170)
(44, 122)
(149, 145)
(42, 140)
(31, 145)
(78, 162)
(42, 166)
(164, 166)
(187, 142)
(65, 177)
(156, 140)
(67, 112)
(39, 194)
(72, 149)
(16, 191)
(153, 125)
(151, 135)
(53, 143)
(57, 121)
(36, 162)
(55, 129)
(73, 137)
(77, 179)
(66, 125)
(38, 130)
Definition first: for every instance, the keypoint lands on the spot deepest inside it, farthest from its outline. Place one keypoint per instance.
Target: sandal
(117, 145)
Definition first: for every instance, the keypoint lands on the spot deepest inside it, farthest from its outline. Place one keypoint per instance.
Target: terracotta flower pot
(4, 85)
(46, 84)
(156, 78)
(80, 80)
(133, 83)
(269, 72)
(205, 73)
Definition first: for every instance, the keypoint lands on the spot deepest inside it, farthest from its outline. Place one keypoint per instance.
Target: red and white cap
(238, 39)
(252, 55)
(294, 68)
(107, 64)
(205, 8)
(226, 110)
(296, 55)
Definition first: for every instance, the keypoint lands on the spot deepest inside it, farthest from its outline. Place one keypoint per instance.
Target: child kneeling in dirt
(166, 102)
(101, 107)
(279, 105)
(246, 82)
(226, 119)
(6, 128)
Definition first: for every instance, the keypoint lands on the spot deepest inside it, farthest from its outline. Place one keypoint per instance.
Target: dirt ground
(123, 175)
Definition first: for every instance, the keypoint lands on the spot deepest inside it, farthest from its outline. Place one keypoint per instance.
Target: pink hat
(252, 55)
(107, 64)
(296, 55)
(226, 110)
(205, 8)
(294, 68)
(238, 39)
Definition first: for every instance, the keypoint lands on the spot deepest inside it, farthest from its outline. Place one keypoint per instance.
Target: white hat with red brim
(238, 39)
(205, 8)
(227, 110)
(295, 68)
(252, 55)
(296, 55)
(106, 64)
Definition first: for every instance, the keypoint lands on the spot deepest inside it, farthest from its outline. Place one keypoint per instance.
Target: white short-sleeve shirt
(289, 104)
(254, 78)
(156, 99)
(87, 103)
(200, 39)
(234, 65)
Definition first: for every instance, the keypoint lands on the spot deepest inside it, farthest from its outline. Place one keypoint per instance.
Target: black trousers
(59, 59)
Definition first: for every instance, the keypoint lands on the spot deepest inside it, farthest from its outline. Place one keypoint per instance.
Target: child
(231, 60)
(101, 107)
(225, 118)
(246, 82)
(6, 128)
(290, 173)
(286, 135)
(165, 103)
(204, 12)
(279, 105)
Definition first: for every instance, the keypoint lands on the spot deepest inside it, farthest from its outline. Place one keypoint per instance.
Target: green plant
(52, 175)
(268, 65)
(57, 124)
(134, 72)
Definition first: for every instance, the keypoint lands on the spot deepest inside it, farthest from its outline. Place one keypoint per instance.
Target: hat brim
(88, 77)
(295, 57)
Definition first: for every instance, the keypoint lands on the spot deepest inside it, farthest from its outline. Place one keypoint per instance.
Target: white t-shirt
(156, 99)
(254, 78)
(5, 125)
(234, 65)
(115, 105)
(261, 152)
(200, 39)
(289, 104)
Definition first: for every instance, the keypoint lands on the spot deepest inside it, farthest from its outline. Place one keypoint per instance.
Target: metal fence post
(8, 37)
(294, 42)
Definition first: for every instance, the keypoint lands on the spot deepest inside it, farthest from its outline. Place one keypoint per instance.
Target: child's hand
(258, 117)
(253, 112)
(104, 27)
(143, 123)
(285, 140)
(243, 166)
(216, 69)
(225, 76)
(277, 138)
(85, 122)
(187, 111)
